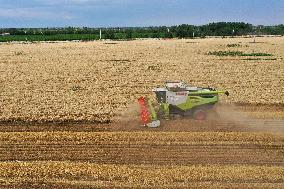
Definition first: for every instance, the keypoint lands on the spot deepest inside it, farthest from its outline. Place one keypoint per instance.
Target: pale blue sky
(106, 13)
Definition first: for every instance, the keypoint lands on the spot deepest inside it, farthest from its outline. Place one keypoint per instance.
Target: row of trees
(181, 31)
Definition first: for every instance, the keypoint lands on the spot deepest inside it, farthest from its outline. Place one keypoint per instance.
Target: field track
(182, 148)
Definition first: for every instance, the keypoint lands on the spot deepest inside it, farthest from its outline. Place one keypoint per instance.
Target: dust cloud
(128, 118)
(223, 117)
(230, 113)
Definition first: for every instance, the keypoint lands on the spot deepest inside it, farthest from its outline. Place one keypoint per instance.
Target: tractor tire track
(171, 154)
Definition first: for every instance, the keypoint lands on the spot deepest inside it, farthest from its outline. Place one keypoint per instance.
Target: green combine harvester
(178, 99)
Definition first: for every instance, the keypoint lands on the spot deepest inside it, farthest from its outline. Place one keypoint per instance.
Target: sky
(133, 13)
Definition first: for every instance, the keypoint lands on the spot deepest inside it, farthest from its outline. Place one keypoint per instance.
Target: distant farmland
(222, 29)
(57, 37)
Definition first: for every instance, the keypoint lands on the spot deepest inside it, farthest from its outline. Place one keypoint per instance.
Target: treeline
(181, 31)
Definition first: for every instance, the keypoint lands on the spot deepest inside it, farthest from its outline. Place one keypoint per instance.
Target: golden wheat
(137, 175)
(94, 81)
(142, 137)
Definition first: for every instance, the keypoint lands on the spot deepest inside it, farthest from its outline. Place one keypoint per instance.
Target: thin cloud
(101, 13)
(32, 13)
(85, 2)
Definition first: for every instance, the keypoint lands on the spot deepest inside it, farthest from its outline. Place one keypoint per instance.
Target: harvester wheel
(199, 115)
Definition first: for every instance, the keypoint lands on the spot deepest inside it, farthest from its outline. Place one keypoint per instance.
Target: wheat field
(141, 159)
(67, 121)
(93, 81)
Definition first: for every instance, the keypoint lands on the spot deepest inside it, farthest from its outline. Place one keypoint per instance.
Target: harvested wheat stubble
(138, 176)
(144, 137)
(94, 81)
(149, 148)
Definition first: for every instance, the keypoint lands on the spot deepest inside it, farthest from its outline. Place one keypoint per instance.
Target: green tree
(128, 34)
(109, 34)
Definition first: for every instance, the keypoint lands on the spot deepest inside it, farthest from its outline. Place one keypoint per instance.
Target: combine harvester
(178, 99)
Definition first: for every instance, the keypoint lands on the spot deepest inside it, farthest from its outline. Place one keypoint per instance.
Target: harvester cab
(178, 99)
